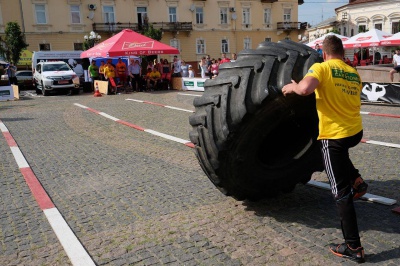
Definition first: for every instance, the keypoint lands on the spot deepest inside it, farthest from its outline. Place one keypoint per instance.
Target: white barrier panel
(6, 93)
(193, 84)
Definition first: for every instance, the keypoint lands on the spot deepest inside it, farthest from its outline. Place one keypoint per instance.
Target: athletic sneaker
(345, 251)
(359, 188)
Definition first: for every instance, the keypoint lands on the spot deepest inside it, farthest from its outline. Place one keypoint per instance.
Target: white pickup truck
(55, 76)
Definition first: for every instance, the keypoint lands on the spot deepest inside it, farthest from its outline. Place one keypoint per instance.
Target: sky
(315, 11)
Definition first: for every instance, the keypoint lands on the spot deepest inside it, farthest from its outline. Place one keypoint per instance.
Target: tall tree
(153, 33)
(13, 43)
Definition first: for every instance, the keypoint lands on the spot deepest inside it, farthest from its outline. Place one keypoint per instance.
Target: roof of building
(326, 22)
(357, 2)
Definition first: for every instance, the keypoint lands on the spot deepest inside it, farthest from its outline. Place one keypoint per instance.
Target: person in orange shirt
(121, 71)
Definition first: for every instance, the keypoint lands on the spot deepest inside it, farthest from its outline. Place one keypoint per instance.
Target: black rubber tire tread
(44, 92)
(244, 129)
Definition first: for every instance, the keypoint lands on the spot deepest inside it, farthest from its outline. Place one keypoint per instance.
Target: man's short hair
(333, 45)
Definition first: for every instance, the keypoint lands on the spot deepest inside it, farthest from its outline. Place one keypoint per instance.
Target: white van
(47, 56)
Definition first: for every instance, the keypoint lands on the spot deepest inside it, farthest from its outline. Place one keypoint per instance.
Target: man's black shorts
(397, 68)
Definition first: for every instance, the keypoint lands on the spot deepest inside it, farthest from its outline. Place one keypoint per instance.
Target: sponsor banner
(193, 84)
(6, 93)
(381, 92)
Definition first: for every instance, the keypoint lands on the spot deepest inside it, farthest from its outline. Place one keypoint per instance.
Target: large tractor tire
(250, 140)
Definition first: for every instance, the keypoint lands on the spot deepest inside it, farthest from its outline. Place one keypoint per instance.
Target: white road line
(109, 116)
(169, 137)
(179, 109)
(80, 105)
(367, 196)
(134, 100)
(393, 145)
(364, 113)
(74, 249)
(19, 157)
(187, 94)
(3, 127)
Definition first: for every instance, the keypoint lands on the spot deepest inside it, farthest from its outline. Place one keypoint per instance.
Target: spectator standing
(165, 67)
(78, 69)
(233, 57)
(214, 68)
(191, 72)
(93, 70)
(224, 59)
(396, 63)
(337, 89)
(101, 70)
(12, 79)
(318, 49)
(203, 67)
(109, 72)
(209, 63)
(135, 75)
(176, 67)
(185, 69)
(121, 71)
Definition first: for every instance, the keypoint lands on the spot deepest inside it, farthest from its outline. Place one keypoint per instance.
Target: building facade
(195, 27)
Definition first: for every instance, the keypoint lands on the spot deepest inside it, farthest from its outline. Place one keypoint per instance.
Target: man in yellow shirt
(109, 72)
(337, 89)
(153, 78)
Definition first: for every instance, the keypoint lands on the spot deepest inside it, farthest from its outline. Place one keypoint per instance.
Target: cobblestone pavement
(133, 198)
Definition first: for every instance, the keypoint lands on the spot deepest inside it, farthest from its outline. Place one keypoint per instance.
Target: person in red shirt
(224, 59)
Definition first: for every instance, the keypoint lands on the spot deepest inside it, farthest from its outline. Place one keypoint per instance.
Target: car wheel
(250, 140)
(44, 92)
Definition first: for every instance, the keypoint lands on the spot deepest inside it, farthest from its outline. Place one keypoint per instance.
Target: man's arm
(305, 87)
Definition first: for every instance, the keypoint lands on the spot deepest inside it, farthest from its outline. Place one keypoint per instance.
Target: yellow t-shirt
(109, 71)
(338, 99)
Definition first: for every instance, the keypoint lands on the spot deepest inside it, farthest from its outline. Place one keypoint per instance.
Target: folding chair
(114, 85)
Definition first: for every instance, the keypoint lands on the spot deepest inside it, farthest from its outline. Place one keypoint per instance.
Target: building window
(75, 14)
(223, 15)
(172, 14)
(246, 16)
(268, 39)
(224, 46)
(40, 11)
(199, 15)
(287, 17)
(378, 26)
(344, 31)
(267, 16)
(352, 32)
(200, 46)
(109, 16)
(175, 43)
(395, 27)
(44, 47)
(362, 28)
(78, 46)
(247, 43)
(142, 14)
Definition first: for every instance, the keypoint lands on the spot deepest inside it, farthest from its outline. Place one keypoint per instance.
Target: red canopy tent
(391, 41)
(126, 43)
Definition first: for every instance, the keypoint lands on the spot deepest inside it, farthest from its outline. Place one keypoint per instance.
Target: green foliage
(153, 33)
(13, 43)
(335, 31)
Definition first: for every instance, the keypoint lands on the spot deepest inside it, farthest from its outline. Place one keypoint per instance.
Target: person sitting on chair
(153, 78)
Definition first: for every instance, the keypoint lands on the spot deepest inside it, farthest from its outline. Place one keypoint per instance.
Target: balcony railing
(164, 26)
(291, 26)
